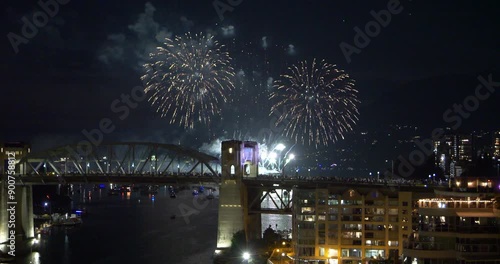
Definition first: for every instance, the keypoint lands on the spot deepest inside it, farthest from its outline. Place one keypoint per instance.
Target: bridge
(115, 162)
(242, 189)
(119, 162)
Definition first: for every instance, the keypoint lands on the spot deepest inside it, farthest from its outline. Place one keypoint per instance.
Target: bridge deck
(125, 179)
(249, 182)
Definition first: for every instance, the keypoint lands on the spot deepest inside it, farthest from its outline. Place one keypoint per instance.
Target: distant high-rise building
(459, 150)
(496, 144)
(446, 151)
(482, 143)
(465, 148)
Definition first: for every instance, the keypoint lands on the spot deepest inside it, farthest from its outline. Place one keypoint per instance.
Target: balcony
(374, 218)
(478, 229)
(351, 218)
(371, 227)
(432, 254)
(429, 250)
(455, 204)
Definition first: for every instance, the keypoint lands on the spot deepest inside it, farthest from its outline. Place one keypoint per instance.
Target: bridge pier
(254, 226)
(239, 160)
(253, 220)
(25, 207)
(4, 218)
(18, 225)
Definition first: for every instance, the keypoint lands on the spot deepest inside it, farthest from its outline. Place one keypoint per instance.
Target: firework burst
(316, 103)
(188, 78)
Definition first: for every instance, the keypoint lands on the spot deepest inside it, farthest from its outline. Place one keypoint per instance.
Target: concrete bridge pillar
(239, 160)
(24, 195)
(4, 218)
(18, 225)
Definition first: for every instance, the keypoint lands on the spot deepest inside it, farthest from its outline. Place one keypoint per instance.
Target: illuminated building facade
(496, 144)
(465, 148)
(351, 225)
(457, 227)
(454, 152)
(446, 152)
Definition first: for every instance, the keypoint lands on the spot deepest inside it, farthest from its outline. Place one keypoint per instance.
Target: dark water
(135, 229)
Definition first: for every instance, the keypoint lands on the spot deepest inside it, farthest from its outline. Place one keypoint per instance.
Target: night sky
(66, 77)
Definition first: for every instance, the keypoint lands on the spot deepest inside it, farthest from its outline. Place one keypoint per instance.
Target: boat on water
(126, 188)
(80, 212)
(72, 220)
(151, 189)
(43, 229)
(114, 192)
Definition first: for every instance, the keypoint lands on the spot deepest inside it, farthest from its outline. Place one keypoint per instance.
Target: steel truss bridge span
(135, 161)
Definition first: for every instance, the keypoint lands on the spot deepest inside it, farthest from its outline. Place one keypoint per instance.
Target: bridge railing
(342, 180)
(138, 174)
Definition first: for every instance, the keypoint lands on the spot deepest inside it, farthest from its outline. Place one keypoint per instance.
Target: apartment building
(352, 225)
(457, 227)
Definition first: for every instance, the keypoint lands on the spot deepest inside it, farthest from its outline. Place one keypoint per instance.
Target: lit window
(307, 210)
(233, 170)
(333, 252)
(393, 243)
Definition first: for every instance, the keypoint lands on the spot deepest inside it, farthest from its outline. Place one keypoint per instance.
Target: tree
(239, 241)
(270, 236)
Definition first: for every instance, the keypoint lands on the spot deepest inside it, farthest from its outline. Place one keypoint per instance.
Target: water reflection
(111, 228)
(281, 223)
(34, 258)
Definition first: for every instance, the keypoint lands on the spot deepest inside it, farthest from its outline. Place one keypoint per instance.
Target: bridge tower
(240, 160)
(24, 230)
